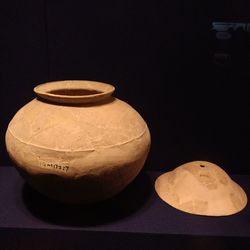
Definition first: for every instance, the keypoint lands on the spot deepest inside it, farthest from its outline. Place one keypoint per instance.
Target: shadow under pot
(76, 143)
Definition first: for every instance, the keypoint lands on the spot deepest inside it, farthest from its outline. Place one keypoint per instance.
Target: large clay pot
(76, 143)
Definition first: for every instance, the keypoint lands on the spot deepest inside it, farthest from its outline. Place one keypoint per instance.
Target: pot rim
(74, 91)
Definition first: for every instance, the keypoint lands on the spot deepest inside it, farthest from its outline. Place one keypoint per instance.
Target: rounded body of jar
(76, 143)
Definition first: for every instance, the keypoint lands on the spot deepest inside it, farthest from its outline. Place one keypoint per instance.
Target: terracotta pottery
(201, 187)
(76, 143)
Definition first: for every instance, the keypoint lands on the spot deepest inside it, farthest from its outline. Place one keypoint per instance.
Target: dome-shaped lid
(201, 187)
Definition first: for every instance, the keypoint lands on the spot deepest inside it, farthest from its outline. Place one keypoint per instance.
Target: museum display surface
(134, 219)
(76, 143)
(202, 188)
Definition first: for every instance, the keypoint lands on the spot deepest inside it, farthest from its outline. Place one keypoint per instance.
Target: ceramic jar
(76, 143)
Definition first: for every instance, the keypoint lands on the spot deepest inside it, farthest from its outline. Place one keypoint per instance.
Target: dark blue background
(158, 54)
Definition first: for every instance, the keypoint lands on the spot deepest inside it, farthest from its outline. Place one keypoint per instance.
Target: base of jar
(86, 189)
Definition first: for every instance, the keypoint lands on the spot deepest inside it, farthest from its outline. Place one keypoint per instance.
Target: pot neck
(74, 91)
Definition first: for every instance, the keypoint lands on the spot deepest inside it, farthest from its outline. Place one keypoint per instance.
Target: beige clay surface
(77, 143)
(202, 188)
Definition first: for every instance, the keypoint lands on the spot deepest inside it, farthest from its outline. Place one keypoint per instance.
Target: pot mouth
(74, 91)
